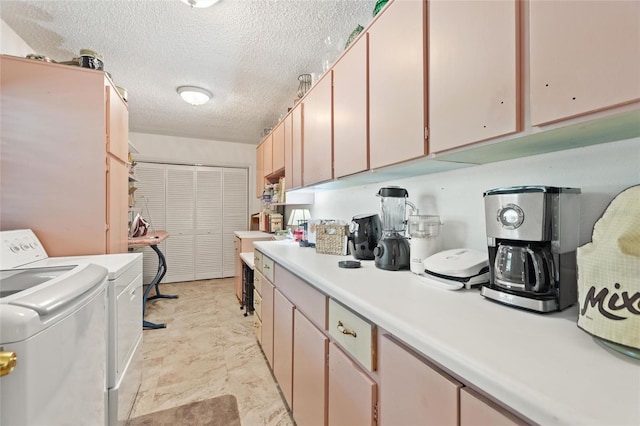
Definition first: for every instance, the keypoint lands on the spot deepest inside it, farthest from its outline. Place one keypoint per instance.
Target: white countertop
(247, 258)
(540, 365)
(252, 234)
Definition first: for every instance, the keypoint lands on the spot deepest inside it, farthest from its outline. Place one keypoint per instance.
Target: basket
(331, 239)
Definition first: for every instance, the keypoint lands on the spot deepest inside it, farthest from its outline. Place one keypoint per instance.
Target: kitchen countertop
(252, 234)
(540, 365)
(247, 258)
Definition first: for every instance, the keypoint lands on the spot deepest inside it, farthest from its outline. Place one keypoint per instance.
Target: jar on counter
(90, 59)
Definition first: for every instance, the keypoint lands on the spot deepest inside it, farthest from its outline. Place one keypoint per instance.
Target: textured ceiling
(248, 53)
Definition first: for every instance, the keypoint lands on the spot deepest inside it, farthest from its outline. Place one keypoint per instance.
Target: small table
(152, 240)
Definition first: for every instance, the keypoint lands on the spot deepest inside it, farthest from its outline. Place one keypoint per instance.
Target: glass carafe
(393, 208)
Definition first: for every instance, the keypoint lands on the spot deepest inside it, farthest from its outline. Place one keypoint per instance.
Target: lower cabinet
(352, 393)
(310, 350)
(411, 391)
(477, 410)
(267, 319)
(283, 344)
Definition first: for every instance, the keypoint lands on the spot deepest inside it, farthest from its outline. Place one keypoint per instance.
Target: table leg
(162, 270)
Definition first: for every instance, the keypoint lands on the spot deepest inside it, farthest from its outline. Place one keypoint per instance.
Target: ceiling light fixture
(200, 3)
(194, 95)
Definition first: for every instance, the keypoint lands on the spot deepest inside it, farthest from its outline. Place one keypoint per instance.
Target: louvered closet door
(208, 223)
(180, 211)
(235, 213)
(150, 202)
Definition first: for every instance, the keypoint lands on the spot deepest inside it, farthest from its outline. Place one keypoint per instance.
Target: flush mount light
(194, 95)
(200, 3)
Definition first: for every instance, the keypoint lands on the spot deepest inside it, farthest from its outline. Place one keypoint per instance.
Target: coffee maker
(532, 237)
(366, 231)
(392, 252)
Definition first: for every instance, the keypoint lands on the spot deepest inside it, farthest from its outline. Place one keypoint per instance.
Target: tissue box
(332, 239)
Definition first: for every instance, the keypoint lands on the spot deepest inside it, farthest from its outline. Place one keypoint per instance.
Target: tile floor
(208, 349)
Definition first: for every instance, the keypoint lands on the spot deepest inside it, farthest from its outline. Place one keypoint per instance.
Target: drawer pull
(265, 266)
(343, 330)
(256, 302)
(256, 325)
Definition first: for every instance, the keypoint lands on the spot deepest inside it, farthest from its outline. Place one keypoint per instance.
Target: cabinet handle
(8, 361)
(342, 329)
(255, 302)
(265, 266)
(256, 324)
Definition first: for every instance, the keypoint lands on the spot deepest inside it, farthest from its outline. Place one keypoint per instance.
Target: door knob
(8, 362)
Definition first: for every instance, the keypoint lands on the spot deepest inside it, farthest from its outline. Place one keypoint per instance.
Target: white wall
(11, 43)
(601, 171)
(173, 149)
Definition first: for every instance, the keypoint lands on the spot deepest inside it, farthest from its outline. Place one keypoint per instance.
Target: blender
(392, 252)
(423, 230)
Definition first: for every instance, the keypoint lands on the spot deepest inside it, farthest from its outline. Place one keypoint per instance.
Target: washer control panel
(19, 247)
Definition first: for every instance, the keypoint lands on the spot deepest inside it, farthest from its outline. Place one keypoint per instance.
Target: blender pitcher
(392, 251)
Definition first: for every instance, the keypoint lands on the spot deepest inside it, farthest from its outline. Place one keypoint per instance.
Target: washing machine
(124, 316)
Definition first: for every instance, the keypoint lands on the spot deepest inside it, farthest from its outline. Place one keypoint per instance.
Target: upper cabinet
(318, 130)
(397, 84)
(267, 155)
(350, 111)
(294, 175)
(259, 170)
(584, 56)
(288, 146)
(278, 148)
(473, 71)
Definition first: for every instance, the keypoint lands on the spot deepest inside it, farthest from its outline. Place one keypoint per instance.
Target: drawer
(257, 261)
(267, 267)
(257, 328)
(308, 300)
(128, 317)
(257, 303)
(257, 282)
(356, 335)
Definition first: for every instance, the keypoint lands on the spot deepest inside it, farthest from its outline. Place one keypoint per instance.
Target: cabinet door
(283, 344)
(412, 392)
(310, 349)
(267, 319)
(476, 410)
(117, 124)
(278, 147)
(210, 198)
(295, 181)
(350, 111)
(473, 71)
(317, 153)
(288, 150)
(117, 201)
(397, 88)
(259, 170)
(267, 155)
(583, 55)
(352, 394)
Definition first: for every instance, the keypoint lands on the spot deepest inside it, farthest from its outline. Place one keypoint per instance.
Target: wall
(11, 43)
(601, 171)
(173, 149)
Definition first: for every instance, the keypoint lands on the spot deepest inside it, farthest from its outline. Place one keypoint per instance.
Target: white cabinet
(584, 57)
(397, 84)
(352, 394)
(477, 410)
(350, 111)
(473, 71)
(318, 129)
(413, 392)
(283, 344)
(310, 351)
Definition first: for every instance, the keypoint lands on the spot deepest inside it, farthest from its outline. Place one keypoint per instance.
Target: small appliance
(424, 231)
(392, 252)
(456, 268)
(366, 231)
(532, 237)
